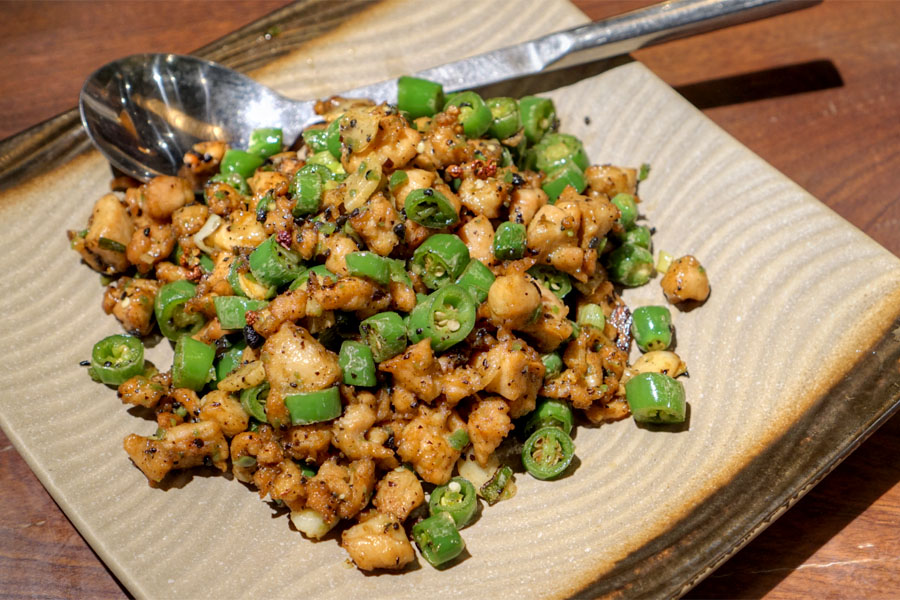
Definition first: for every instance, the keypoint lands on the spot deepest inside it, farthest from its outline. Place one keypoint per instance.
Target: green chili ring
(548, 452)
(252, 401)
(168, 307)
(446, 317)
(314, 407)
(655, 398)
(551, 413)
(357, 364)
(273, 264)
(384, 334)
(231, 310)
(116, 359)
(458, 498)
(192, 363)
(651, 327)
(430, 208)
(476, 279)
(438, 539)
(440, 259)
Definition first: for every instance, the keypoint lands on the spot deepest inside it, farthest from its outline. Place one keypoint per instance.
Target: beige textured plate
(791, 362)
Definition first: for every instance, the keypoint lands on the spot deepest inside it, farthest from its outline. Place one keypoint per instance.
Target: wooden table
(816, 93)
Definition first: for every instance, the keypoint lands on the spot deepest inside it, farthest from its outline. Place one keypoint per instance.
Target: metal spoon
(145, 111)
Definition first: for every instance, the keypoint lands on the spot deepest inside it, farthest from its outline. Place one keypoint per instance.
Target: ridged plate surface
(800, 300)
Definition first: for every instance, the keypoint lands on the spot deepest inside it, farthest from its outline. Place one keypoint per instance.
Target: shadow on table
(760, 85)
(788, 543)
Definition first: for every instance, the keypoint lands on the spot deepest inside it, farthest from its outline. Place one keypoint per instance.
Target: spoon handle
(602, 39)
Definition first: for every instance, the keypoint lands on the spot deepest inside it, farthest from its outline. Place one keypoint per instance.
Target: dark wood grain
(816, 93)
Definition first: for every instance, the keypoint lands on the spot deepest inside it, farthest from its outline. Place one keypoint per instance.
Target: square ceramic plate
(792, 361)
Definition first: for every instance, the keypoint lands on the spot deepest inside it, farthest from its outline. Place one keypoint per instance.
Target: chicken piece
(349, 436)
(338, 246)
(416, 179)
(416, 370)
(203, 159)
(242, 230)
(685, 279)
(611, 180)
(223, 408)
(378, 543)
(223, 198)
(514, 300)
(149, 245)
(398, 493)
(551, 327)
(444, 144)
(289, 306)
(524, 203)
(109, 231)
(295, 362)
(263, 183)
(488, 426)
(484, 196)
(512, 369)
(552, 238)
(131, 302)
(375, 224)
(423, 443)
(180, 447)
(341, 491)
(478, 236)
(166, 194)
(308, 443)
(141, 390)
(187, 220)
(347, 294)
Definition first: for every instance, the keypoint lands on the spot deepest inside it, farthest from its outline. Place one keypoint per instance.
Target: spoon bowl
(145, 111)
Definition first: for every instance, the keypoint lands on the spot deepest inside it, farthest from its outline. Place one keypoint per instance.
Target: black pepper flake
(198, 442)
(254, 339)
(587, 120)
(146, 231)
(428, 192)
(85, 363)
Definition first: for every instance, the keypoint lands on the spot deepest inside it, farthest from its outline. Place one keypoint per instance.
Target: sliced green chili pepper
(314, 407)
(231, 310)
(235, 180)
(192, 363)
(230, 360)
(168, 307)
(458, 499)
(116, 359)
(548, 452)
(333, 137)
(325, 159)
(555, 281)
(253, 401)
(551, 413)
(419, 97)
(493, 489)
(568, 174)
(558, 149)
(538, 117)
(440, 259)
(474, 115)
(627, 207)
(430, 208)
(323, 275)
(110, 244)
(592, 315)
(630, 265)
(553, 365)
(397, 272)
(384, 334)
(397, 179)
(644, 172)
(459, 439)
(370, 265)
(476, 279)
(655, 398)
(446, 317)
(266, 141)
(307, 186)
(639, 236)
(273, 264)
(438, 539)
(315, 139)
(506, 120)
(651, 327)
(243, 283)
(357, 364)
(509, 241)
(241, 162)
